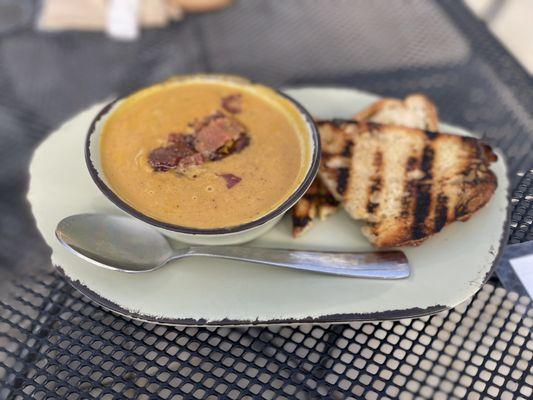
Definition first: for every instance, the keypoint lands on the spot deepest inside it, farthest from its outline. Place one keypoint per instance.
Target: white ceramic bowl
(220, 236)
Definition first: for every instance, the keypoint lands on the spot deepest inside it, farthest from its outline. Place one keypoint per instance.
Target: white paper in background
(122, 19)
(523, 267)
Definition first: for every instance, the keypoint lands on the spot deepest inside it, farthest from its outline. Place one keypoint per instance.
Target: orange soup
(205, 153)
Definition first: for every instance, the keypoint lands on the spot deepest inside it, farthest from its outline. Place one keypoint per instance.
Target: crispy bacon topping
(215, 137)
(242, 141)
(231, 180)
(179, 147)
(214, 131)
(232, 103)
(181, 140)
(231, 147)
(189, 161)
(163, 158)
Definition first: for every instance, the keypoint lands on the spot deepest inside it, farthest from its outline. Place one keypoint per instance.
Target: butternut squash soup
(205, 153)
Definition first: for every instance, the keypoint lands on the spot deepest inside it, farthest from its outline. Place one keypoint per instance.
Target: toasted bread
(415, 111)
(317, 202)
(406, 183)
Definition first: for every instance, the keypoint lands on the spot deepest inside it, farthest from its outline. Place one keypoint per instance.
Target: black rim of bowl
(293, 198)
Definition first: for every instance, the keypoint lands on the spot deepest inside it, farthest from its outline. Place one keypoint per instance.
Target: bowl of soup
(206, 159)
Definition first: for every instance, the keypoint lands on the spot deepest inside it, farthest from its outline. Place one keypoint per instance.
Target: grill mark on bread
(343, 174)
(441, 212)
(330, 200)
(300, 222)
(338, 123)
(375, 182)
(431, 135)
(372, 127)
(411, 164)
(372, 207)
(461, 210)
(347, 151)
(423, 194)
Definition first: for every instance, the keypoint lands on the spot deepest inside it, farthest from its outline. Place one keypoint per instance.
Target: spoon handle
(380, 265)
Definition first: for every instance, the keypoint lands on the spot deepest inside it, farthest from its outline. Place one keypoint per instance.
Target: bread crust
(415, 111)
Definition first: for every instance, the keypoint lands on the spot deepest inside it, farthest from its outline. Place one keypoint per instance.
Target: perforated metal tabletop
(54, 343)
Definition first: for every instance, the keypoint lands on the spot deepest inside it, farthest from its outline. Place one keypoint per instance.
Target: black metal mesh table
(56, 344)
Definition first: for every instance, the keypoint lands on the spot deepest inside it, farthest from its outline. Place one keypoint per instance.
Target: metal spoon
(124, 244)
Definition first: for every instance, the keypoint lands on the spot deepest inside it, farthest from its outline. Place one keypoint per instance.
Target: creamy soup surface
(270, 168)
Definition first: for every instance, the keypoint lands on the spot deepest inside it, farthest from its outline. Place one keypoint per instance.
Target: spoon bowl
(114, 242)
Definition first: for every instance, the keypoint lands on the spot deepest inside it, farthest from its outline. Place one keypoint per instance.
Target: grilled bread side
(415, 111)
(406, 183)
(317, 202)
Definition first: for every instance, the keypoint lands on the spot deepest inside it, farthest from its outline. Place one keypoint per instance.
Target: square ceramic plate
(446, 269)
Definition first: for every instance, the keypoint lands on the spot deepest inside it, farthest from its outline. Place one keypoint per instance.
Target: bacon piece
(179, 147)
(189, 161)
(242, 141)
(231, 147)
(231, 180)
(215, 137)
(232, 103)
(164, 158)
(183, 142)
(214, 131)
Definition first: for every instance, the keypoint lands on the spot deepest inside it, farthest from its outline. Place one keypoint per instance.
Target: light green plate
(446, 270)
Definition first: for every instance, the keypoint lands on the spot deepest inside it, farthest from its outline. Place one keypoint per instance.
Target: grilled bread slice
(415, 111)
(317, 202)
(406, 183)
